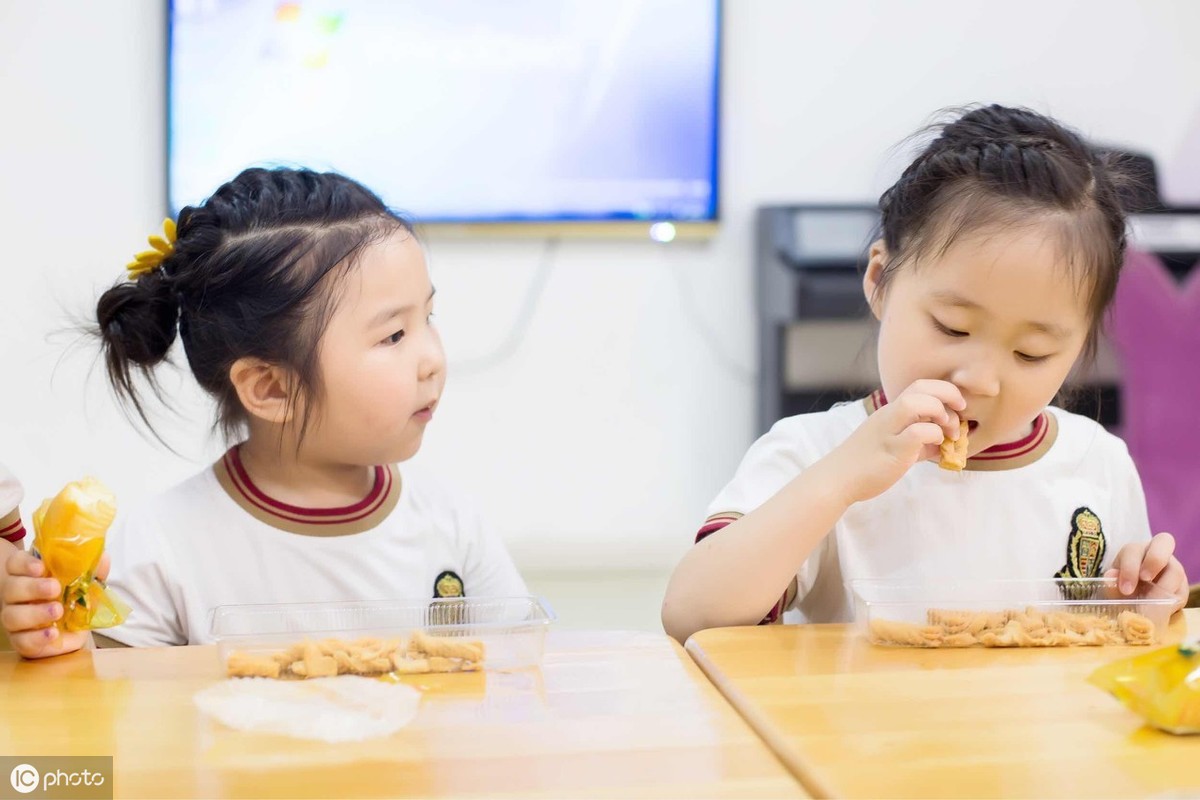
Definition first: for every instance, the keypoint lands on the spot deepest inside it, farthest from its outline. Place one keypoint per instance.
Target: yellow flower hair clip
(149, 260)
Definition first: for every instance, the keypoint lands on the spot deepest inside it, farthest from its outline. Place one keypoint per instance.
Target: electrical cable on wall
(692, 314)
(511, 342)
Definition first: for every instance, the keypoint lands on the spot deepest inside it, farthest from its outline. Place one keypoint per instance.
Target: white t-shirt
(1015, 513)
(216, 540)
(11, 495)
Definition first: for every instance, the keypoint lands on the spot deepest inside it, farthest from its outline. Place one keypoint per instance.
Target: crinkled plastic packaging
(1162, 686)
(69, 532)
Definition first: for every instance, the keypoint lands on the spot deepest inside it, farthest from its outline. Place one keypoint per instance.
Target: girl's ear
(265, 390)
(873, 276)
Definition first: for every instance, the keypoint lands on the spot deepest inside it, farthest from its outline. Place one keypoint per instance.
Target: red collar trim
(375, 498)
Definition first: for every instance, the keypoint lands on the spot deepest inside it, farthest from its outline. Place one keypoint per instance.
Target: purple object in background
(1156, 330)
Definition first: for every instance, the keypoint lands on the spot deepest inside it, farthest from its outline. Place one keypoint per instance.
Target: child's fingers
(70, 641)
(946, 392)
(22, 563)
(30, 590)
(1173, 580)
(912, 408)
(34, 644)
(951, 428)
(1157, 556)
(29, 616)
(916, 407)
(916, 437)
(102, 567)
(47, 642)
(1128, 565)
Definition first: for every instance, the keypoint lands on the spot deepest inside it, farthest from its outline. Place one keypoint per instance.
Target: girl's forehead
(1014, 271)
(392, 264)
(390, 272)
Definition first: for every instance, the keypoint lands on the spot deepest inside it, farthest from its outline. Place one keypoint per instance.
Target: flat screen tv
(494, 113)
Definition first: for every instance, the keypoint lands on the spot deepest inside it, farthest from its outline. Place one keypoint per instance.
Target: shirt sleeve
(140, 576)
(769, 465)
(488, 569)
(11, 495)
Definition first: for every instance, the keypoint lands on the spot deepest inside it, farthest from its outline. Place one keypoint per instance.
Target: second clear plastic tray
(910, 604)
(512, 629)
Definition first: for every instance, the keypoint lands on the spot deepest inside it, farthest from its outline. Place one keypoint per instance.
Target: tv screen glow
(456, 110)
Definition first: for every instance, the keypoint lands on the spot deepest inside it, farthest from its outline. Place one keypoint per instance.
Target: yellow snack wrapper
(1162, 686)
(68, 535)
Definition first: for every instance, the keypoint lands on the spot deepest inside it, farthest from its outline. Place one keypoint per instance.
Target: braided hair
(247, 278)
(994, 167)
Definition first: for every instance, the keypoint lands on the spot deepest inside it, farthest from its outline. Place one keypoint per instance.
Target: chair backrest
(1155, 330)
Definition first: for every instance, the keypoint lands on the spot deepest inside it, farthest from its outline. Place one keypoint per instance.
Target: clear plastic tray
(909, 605)
(512, 629)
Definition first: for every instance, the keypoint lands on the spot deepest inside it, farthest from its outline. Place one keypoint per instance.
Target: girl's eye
(1028, 359)
(948, 331)
(394, 338)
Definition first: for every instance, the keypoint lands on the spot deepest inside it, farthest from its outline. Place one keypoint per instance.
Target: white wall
(630, 400)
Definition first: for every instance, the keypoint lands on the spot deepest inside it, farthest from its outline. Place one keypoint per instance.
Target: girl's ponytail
(137, 322)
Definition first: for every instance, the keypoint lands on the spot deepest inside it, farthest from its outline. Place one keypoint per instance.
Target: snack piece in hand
(954, 452)
(69, 535)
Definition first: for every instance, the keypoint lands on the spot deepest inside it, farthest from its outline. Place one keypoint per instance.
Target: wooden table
(853, 720)
(609, 714)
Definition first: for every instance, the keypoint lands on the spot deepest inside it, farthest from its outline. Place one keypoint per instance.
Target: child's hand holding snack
(51, 602)
(909, 429)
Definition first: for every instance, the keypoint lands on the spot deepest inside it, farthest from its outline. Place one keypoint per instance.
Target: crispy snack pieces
(954, 452)
(328, 657)
(1013, 628)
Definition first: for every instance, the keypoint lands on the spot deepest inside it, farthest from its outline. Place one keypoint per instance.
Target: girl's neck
(303, 480)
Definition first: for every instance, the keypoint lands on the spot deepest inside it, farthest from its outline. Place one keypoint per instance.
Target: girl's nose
(977, 377)
(433, 357)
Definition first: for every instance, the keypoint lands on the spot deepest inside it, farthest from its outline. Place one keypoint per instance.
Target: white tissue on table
(347, 708)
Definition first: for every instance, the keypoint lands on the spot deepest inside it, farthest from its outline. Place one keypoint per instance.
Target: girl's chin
(407, 451)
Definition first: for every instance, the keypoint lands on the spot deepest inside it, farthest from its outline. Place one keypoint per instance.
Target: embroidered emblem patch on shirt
(1085, 549)
(448, 584)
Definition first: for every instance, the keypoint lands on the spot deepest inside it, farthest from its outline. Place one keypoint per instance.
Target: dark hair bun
(137, 321)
